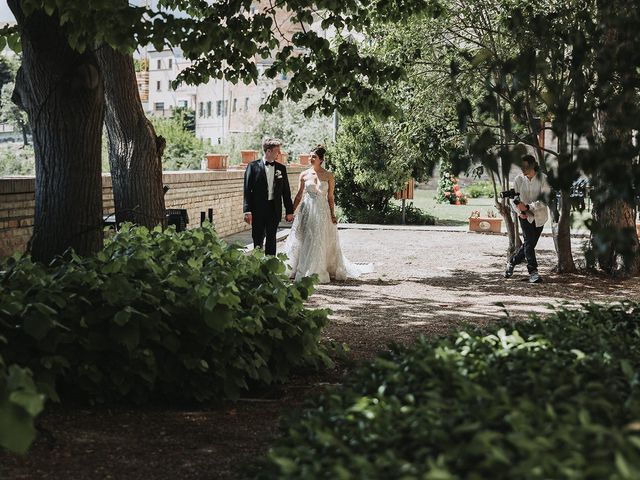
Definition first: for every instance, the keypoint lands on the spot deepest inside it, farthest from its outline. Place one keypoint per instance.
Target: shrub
(16, 160)
(183, 151)
(480, 190)
(391, 216)
(157, 315)
(366, 167)
(554, 398)
(20, 404)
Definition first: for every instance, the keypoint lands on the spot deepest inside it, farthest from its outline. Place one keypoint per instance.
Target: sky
(5, 13)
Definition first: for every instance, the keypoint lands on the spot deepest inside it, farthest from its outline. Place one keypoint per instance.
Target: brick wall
(196, 191)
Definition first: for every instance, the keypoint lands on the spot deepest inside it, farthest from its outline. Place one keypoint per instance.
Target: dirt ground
(425, 282)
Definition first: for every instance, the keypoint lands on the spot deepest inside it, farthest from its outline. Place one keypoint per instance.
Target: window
(159, 64)
(201, 109)
(226, 108)
(158, 106)
(235, 105)
(158, 88)
(219, 108)
(246, 104)
(208, 109)
(170, 63)
(283, 76)
(169, 87)
(183, 103)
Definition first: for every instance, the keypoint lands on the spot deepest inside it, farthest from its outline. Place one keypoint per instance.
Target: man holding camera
(532, 212)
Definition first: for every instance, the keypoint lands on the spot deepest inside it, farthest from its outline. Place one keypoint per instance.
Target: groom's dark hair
(269, 143)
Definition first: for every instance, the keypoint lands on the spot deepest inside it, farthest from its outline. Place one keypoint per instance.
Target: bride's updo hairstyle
(320, 151)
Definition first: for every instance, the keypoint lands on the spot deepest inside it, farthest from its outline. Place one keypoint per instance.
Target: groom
(266, 187)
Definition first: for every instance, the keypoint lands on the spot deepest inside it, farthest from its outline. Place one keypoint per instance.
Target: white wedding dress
(313, 246)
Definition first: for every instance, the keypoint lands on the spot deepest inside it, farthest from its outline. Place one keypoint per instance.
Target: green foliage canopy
(223, 39)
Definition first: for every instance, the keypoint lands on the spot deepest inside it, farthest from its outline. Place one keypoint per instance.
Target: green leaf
(37, 327)
(31, 402)
(16, 428)
(122, 317)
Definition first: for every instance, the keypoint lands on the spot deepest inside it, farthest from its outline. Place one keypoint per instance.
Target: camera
(511, 193)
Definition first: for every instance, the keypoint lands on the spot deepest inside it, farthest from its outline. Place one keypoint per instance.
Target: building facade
(222, 109)
(164, 68)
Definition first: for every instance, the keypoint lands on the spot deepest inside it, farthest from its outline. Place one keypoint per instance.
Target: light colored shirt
(270, 170)
(533, 193)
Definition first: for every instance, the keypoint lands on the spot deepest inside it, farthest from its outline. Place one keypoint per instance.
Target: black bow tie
(270, 164)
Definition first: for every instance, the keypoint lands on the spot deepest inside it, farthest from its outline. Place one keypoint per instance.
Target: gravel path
(428, 282)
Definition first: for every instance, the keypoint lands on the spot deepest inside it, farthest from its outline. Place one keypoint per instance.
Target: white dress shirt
(270, 170)
(533, 193)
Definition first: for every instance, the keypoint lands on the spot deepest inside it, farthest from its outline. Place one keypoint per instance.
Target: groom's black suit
(266, 213)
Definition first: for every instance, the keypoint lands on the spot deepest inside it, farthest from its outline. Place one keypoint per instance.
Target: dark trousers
(266, 226)
(531, 234)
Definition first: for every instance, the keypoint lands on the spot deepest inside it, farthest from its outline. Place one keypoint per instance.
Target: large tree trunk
(615, 238)
(62, 93)
(614, 234)
(134, 149)
(562, 232)
(563, 236)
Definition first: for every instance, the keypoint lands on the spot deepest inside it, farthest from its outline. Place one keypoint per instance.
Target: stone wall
(197, 191)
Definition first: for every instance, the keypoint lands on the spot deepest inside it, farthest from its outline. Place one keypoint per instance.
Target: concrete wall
(196, 191)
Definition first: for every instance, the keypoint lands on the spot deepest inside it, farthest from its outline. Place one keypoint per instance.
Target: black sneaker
(534, 277)
(508, 271)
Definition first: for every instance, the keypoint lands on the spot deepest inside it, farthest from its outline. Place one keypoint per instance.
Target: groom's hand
(248, 218)
(289, 218)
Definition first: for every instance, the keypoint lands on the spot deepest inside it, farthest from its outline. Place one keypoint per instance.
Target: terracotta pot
(248, 156)
(485, 224)
(217, 161)
(304, 159)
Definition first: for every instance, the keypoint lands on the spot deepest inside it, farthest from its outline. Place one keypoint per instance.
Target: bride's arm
(332, 206)
(298, 198)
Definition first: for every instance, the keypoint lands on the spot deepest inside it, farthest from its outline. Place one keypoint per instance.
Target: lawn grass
(446, 214)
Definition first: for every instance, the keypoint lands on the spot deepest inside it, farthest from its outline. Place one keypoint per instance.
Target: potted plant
(490, 223)
(217, 161)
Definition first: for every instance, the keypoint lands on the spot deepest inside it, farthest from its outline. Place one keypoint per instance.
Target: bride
(313, 246)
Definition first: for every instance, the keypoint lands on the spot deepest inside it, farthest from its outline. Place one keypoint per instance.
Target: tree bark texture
(61, 91)
(563, 231)
(614, 237)
(135, 152)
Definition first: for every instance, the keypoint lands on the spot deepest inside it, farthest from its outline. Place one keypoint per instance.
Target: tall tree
(61, 91)
(615, 100)
(446, 60)
(135, 151)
